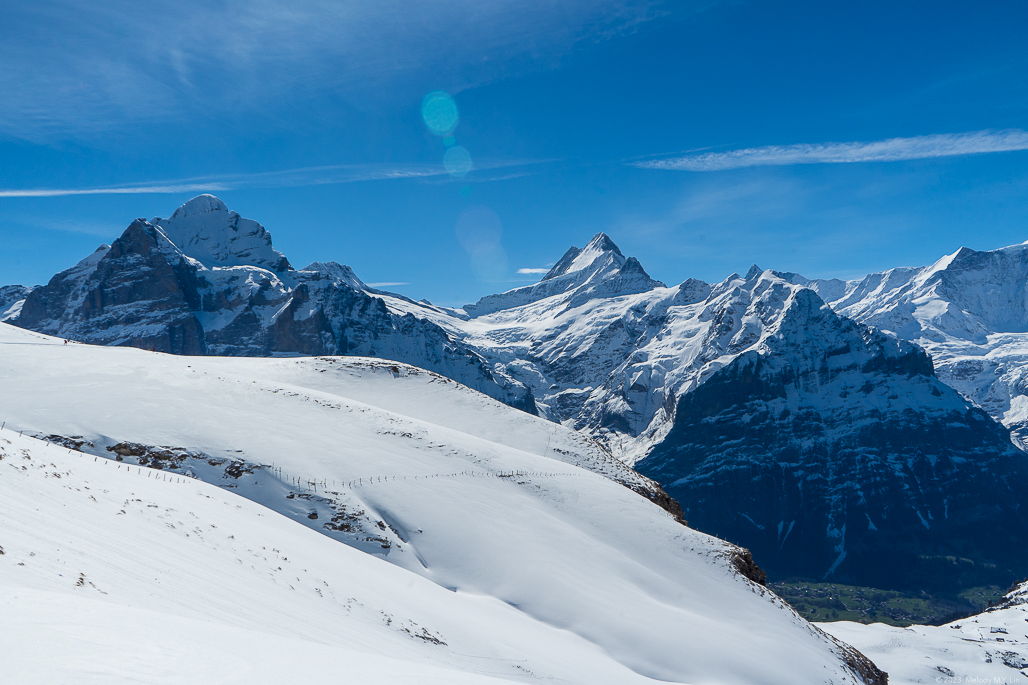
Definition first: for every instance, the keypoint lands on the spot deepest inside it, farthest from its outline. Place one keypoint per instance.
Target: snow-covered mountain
(207, 281)
(598, 346)
(500, 546)
(598, 270)
(827, 425)
(776, 423)
(205, 230)
(969, 310)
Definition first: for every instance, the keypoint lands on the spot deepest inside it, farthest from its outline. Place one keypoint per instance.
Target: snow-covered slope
(441, 482)
(991, 647)
(131, 575)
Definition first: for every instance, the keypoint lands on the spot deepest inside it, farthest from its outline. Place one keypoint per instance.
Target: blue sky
(832, 139)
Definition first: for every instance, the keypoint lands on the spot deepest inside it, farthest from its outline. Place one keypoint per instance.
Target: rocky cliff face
(833, 451)
(128, 293)
(207, 281)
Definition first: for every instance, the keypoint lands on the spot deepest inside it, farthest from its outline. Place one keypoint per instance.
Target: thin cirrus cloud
(890, 150)
(388, 284)
(307, 176)
(73, 68)
(119, 190)
(532, 271)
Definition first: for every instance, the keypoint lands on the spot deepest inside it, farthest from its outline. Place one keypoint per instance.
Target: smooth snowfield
(125, 575)
(66, 639)
(575, 574)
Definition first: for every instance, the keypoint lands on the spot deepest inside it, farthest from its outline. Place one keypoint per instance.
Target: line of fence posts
(150, 472)
(313, 484)
(325, 483)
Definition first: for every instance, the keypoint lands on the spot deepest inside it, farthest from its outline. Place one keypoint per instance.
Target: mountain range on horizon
(821, 423)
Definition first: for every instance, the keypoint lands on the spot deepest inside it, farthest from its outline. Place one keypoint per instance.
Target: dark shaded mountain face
(836, 453)
(222, 289)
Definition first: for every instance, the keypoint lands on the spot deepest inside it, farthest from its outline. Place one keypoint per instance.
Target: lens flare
(439, 112)
(457, 161)
(479, 231)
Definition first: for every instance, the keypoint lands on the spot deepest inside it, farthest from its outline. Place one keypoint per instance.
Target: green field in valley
(835, 602)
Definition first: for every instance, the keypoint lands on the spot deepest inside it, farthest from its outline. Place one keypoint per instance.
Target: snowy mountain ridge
(596, 345)
(207, 281)
(818, 412)
(969, 310)
(597, 270)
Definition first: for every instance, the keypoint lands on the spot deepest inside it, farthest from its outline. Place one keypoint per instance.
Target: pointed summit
(753, 272)
(598, 270)
(601, 241)
(579, 260)
(207, 231)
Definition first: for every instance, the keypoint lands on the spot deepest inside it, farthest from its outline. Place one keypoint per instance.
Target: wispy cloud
(890, 150)
(74, 68)
(532, 271)
(120, 190)
(388, 284)
(308, 176)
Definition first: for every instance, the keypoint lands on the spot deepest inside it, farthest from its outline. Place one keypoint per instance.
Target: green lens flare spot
(457, 161)
(439, 112)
